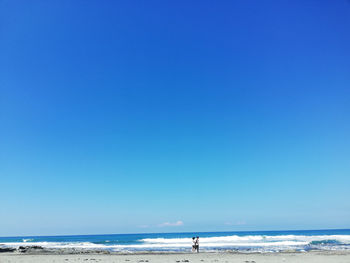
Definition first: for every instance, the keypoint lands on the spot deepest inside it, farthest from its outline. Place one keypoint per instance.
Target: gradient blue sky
(129, 116)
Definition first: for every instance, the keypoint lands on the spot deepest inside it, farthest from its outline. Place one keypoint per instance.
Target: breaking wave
(27, 240)
(250, 243)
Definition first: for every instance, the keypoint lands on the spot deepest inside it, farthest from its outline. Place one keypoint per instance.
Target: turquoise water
(248, 241)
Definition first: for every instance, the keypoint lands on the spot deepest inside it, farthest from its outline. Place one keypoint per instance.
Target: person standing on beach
(193, 244)
(197, 244)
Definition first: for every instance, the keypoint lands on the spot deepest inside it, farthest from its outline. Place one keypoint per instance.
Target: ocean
(252, 241)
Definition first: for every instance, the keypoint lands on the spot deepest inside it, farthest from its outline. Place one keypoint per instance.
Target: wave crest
(259, 243)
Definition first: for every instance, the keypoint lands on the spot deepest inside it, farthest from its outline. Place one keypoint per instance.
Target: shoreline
(255, 241)
(204, 257)
(37, 250)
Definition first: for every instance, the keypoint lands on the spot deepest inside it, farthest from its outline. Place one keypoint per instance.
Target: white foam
(253, 238)
(88, 245)
(206, 243)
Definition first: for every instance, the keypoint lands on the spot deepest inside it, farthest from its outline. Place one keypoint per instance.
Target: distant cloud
(238, 223)
(178, 223)
(144, 226)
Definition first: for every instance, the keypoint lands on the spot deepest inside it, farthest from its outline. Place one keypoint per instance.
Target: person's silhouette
(193, 244)
(197, 244)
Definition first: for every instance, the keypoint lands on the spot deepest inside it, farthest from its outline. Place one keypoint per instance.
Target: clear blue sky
(129, 116)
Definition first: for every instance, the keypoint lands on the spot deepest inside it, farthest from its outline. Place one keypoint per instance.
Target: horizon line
(186, 232)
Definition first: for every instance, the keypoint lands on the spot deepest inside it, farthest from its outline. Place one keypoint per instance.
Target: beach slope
(308, 257)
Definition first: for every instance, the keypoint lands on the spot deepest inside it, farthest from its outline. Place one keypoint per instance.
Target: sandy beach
(307, 257)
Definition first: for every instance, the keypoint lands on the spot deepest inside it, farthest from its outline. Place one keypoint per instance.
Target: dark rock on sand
(6, 249)
(29, 248)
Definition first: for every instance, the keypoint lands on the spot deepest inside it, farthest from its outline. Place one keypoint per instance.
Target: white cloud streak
(238, 223)
(177, 223)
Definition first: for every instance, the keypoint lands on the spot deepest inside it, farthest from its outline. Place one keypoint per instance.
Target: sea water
(252, 241)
